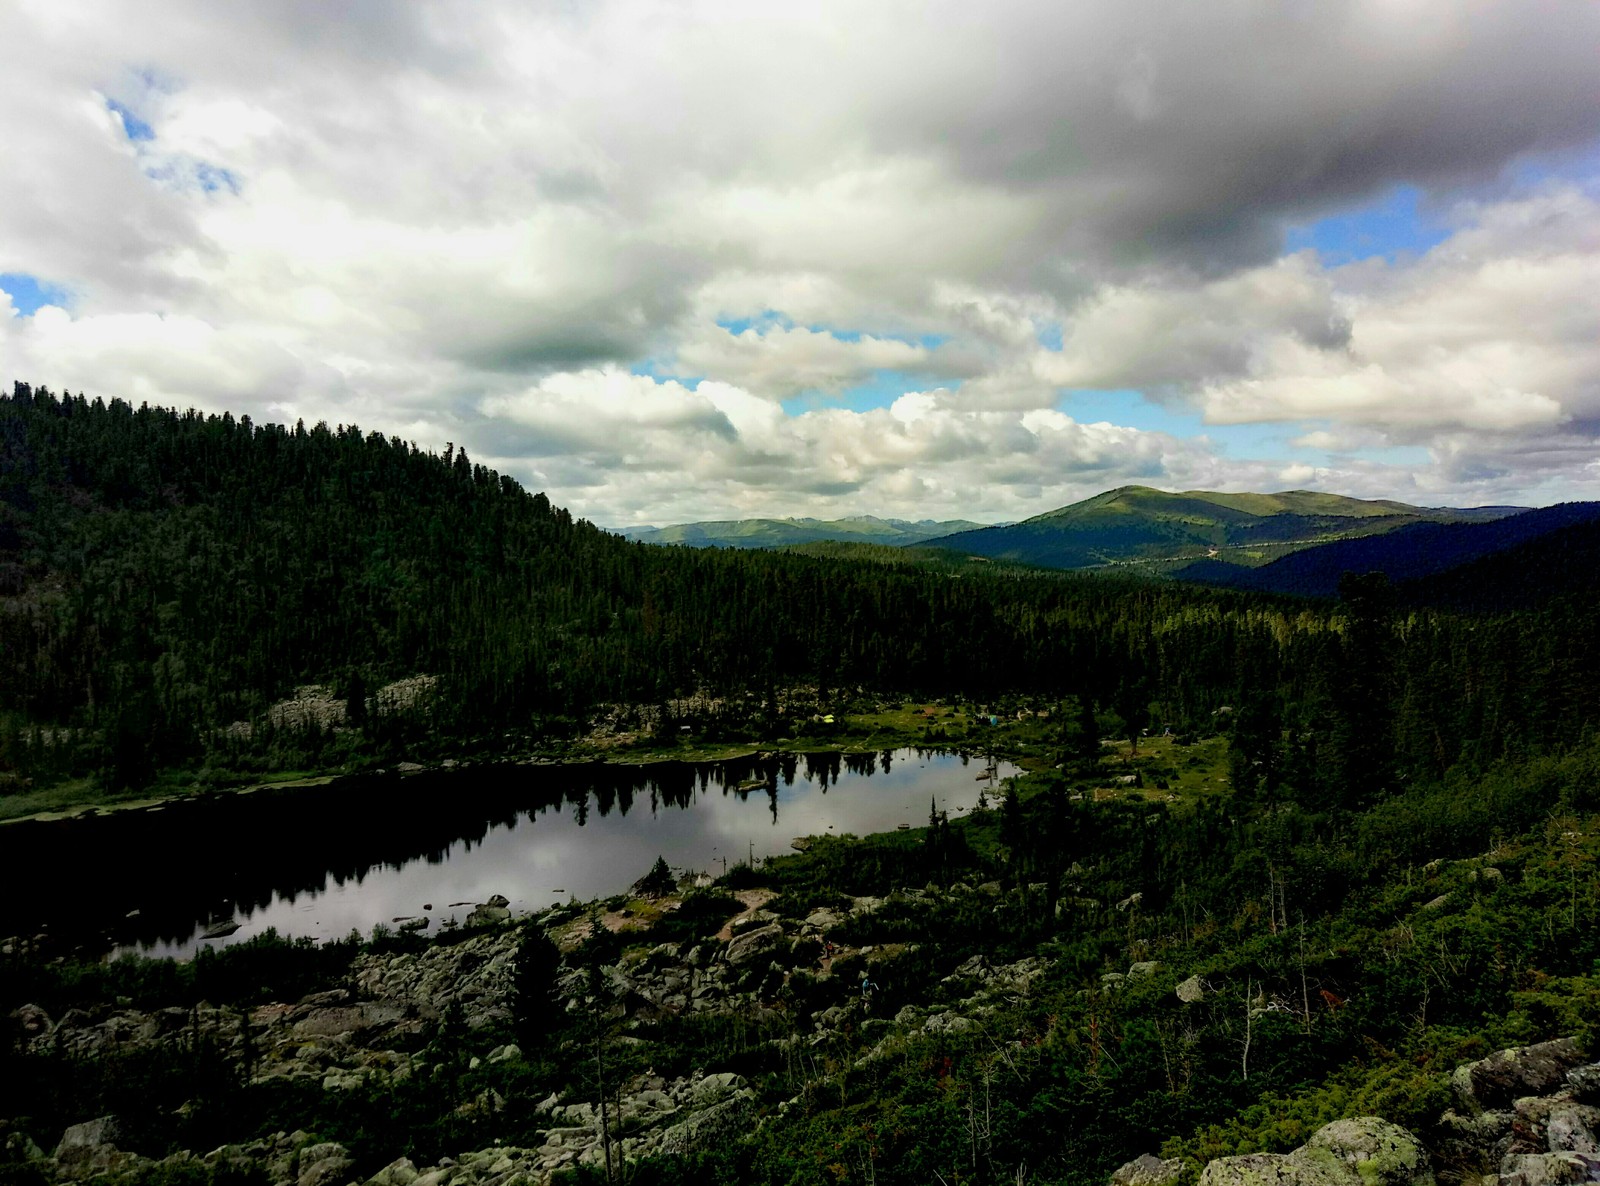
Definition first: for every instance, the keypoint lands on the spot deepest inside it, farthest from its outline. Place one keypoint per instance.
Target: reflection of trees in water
(823, 769)
(187, 863)
(866, 764)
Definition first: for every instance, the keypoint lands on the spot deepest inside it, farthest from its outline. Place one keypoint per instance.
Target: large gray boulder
(715, 1088)
(1380, 1153)
(489, 914)
(89, 1149)
(721, 1122)
(102, 1130)
(323, 1165)
(399, 1172)
(1366, 1151)
(1148, 1170)
(33, 1021)
(1548, 1169)
(1508, 1075)
(1570, 1128)
(762, 941)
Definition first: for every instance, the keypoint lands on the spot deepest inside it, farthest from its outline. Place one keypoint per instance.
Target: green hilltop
(1147, 527)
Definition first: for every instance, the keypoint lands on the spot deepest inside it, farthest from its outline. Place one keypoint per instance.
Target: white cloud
(781, 361)
(1159, 335)
(472, 221)
(1489, 338)
(633, 449)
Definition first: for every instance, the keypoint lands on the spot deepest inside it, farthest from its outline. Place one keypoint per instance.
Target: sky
(680, 261)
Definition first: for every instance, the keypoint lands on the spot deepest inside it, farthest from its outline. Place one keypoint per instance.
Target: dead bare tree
(1244, 1059)
(1305, 988)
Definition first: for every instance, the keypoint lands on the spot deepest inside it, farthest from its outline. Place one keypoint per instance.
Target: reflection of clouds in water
(549, 851)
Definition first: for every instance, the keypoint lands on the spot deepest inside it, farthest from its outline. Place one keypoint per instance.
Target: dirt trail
(752, 900)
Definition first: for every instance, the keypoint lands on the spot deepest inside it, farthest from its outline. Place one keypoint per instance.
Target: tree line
(167, 576)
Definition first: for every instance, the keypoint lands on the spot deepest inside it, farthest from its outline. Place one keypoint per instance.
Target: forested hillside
(1363, 857)
(167, 577)
(1415, 553)
(1156, 530)
(783, 533)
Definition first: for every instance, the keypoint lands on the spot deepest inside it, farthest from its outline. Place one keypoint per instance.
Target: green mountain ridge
(779, 533)
(1141, 525)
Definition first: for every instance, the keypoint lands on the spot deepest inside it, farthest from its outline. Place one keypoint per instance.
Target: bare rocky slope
(1522, 1117)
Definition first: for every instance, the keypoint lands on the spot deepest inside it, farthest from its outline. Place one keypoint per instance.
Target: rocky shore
(1522, 1117)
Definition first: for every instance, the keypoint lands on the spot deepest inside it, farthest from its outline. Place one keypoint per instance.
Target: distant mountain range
(1135, 525)
(781, 533)
(1294, 542)
(1488, 565)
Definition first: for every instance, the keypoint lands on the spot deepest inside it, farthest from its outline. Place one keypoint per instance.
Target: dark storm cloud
(513, 224)
(1193, 131)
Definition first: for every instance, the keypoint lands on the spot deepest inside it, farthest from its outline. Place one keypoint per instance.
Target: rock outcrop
(376, 1029)
(476, 975)
(1149, 1171)
(1362, 1152)
(340, 1038)
(1528, 1117)
(656, 1116)
(1506, 1075)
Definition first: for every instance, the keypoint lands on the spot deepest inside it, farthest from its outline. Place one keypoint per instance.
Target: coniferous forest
(167, 577)
(1272, 862)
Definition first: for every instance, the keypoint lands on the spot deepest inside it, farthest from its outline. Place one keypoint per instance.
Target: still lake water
(324, 861)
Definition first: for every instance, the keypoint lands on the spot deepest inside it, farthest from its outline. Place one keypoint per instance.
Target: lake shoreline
(94, 805)
(359, 851)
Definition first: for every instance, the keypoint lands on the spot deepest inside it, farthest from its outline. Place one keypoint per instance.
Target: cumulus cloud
(781, 361)
(634, 449)
(475, 221)
(1485, 349)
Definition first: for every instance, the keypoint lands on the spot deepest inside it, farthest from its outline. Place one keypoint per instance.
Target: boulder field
(1527, 1116)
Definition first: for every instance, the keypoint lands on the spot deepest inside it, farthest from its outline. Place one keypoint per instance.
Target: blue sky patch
(761, 322)
(1130, 409)
(29, 294)
(212, 178)
(1264, 442)
(877, 392)
(771, 319)
(186, 173)
(1394, 225)
(132, 126)
(180, 172)
(660, 369)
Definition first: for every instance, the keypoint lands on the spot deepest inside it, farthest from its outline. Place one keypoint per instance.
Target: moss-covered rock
(1507, 1075)
(1382, 1154)
(1365, 1151)
(1149, 1171)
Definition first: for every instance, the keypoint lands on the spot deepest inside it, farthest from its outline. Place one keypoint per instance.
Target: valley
(725, 594)
(501, 850)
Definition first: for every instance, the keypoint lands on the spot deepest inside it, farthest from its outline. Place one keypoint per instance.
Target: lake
(324, 861)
